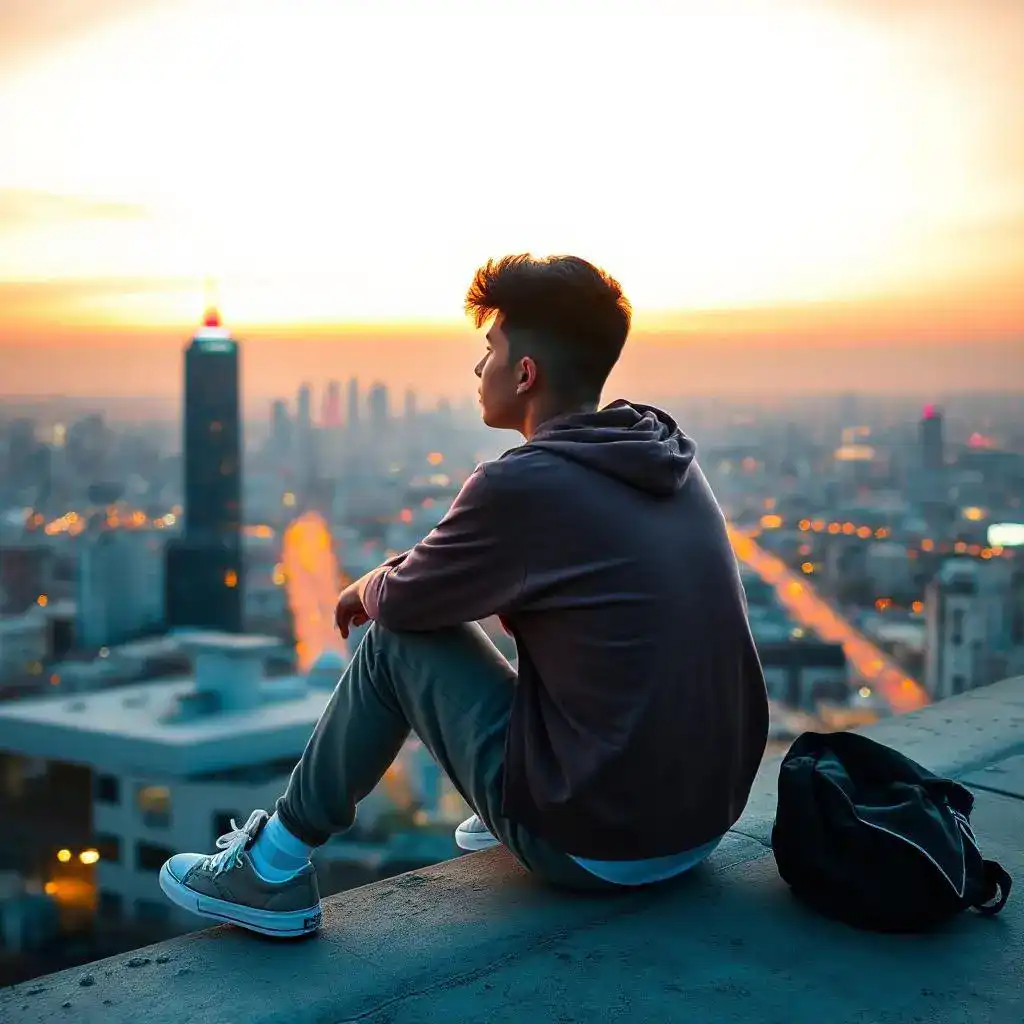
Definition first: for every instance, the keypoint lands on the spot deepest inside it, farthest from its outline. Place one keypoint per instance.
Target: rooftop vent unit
(325, 672)
(187, 707)
(228, 670)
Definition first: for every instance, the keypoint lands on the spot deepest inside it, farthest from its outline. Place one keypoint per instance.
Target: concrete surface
(476, 940)
(1006, 777)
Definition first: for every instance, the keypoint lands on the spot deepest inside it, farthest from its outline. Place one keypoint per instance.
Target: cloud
(25, 207)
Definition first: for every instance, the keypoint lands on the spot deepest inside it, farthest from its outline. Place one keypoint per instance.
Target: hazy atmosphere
(262, 479)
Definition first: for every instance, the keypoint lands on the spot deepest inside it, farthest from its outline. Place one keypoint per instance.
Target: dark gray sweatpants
(453, 689)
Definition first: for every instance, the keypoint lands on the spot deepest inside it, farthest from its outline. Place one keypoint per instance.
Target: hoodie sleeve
(468, 567)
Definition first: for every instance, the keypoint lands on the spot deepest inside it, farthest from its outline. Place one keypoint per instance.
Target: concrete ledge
(476, 939)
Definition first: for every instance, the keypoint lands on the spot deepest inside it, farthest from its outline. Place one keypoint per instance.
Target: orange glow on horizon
(847, 176)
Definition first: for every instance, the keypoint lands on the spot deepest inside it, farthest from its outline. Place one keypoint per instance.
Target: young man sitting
(626, 745)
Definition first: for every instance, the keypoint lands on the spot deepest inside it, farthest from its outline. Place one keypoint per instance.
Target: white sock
(277, 855)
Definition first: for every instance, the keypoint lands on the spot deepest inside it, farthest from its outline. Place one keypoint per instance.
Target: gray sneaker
(473, 834)
(226, 887)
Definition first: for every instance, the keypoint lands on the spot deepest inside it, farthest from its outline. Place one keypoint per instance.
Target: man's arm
(468, 567)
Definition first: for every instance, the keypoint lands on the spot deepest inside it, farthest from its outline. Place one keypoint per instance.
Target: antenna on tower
(212, 316)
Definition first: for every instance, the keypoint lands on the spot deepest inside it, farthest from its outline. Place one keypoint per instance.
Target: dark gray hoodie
(641, 716)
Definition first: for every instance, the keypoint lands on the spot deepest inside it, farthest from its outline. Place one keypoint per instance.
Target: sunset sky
(785, 189)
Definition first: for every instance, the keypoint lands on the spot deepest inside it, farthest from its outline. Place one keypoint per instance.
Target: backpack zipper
(910, 842)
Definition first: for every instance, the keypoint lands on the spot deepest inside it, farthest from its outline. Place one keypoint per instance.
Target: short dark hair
(569, 314)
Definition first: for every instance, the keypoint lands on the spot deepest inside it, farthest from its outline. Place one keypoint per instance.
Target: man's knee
(380, 638)
(414, 659)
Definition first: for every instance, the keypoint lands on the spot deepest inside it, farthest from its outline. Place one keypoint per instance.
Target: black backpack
(867, 836)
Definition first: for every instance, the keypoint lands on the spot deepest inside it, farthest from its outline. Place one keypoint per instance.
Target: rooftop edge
(474, 938)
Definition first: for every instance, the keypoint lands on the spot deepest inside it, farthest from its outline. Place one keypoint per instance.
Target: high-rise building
(26, 569)
(411, 406)
(352, 416)
(378, 406)
(955, 629)
(120, 586)
(280, 429)
(304, 451)
(930, 434)
(305, 409)
(331, 418)
(204, 566)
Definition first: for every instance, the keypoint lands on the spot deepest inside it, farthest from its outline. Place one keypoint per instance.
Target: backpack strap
(997, 889)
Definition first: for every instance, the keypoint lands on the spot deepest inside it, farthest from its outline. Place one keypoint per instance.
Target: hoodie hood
(637, 444)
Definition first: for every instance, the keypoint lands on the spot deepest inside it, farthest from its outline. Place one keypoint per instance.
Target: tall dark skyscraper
(204, 566)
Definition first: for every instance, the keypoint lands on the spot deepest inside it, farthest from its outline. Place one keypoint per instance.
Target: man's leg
(453, 688)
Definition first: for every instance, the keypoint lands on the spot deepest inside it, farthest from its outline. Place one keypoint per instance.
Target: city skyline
(778, 189)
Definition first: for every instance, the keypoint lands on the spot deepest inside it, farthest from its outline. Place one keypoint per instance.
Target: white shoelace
(231, 845)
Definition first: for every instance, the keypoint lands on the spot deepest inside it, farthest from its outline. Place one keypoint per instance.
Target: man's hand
(349, 611)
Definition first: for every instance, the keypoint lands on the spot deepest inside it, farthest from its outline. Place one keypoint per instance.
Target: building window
(153, 911)
(108, 847)
(222, 823)
(107, 789)
(957, 627)
(154, 804)
(150, 857)
(111, 905)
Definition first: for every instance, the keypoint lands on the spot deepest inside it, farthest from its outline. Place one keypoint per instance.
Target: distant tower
(411, 406)
(204, 567)
(379, 411)
(280, 429)
(332, 405)
(305, 410)
(930, 434)
(352, 417)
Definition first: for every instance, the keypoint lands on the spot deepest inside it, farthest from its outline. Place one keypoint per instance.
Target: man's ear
(527, 375)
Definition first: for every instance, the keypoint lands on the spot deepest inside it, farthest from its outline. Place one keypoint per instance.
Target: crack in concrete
(766, 843)
(994, 789)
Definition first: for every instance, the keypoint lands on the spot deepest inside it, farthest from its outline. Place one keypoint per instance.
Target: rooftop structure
(225, 715)
(164, 766)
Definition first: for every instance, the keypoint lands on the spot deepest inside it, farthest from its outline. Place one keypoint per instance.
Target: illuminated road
(873, 666)
(313, 580)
